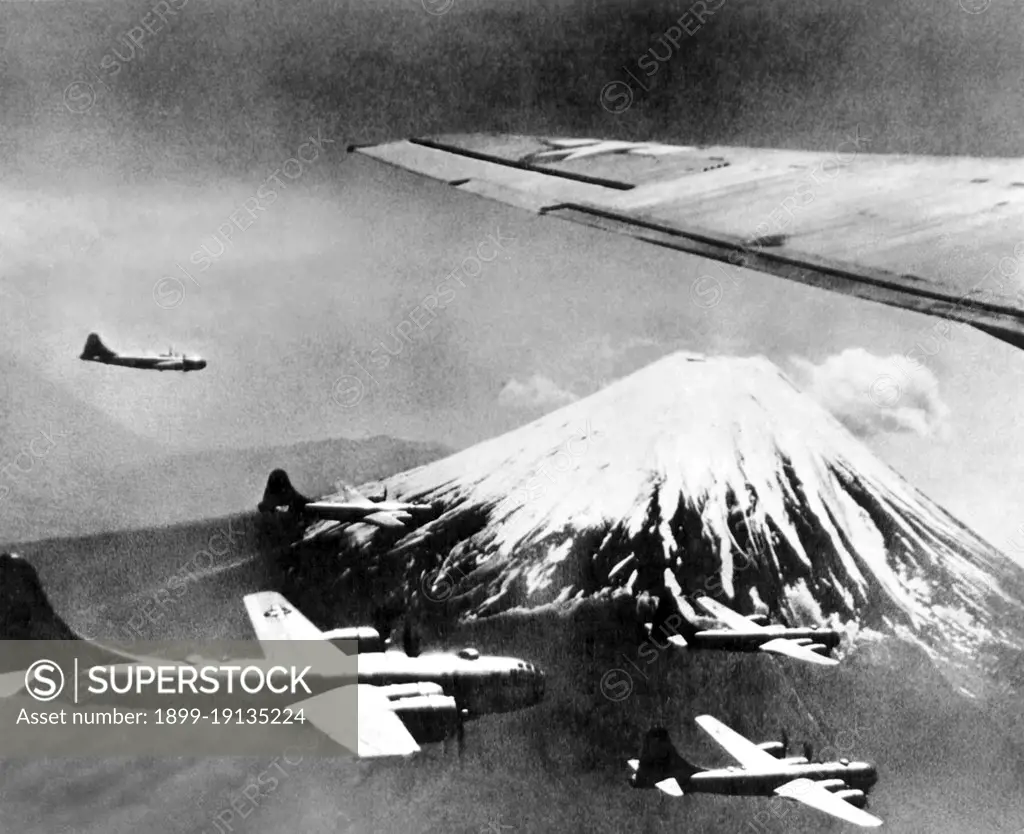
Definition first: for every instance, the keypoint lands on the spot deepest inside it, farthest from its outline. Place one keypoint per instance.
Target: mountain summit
(712, 475)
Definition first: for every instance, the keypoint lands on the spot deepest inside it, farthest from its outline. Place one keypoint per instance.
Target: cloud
(874, 394)
(537, 392)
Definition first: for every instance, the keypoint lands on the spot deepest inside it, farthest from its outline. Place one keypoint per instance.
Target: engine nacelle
(363, 639)
(398, 691)
(832, 784)
(774, 748)
(856, 798)
(429, 718)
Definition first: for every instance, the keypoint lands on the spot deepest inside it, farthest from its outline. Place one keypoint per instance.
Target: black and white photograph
(496, 416)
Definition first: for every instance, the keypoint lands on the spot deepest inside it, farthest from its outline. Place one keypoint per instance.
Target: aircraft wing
(780, 645)
(789, 648)
(288, 637)
(350, 512)
(385, 520)
(937, 235)
(380, 732)
(748, 754)
(731, 618)
(274, 618)
(813, 795)
(350, 495)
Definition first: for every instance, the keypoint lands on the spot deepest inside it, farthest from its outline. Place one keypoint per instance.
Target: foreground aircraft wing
(289, 638)
(937, 235)
(815, 796)
(380, 732)
(748, 754)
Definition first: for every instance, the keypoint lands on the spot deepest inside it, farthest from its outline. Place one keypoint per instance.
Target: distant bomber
(746, 634)
(836, 788)
(396, 515)
(96, 351)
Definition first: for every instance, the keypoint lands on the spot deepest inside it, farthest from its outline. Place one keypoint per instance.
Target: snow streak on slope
(707, 474)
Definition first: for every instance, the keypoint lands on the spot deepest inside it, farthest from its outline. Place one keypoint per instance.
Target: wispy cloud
(867, 395)
(537, 392)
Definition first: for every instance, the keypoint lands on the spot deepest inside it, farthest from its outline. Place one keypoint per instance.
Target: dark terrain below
(944, 764)
(215, 102)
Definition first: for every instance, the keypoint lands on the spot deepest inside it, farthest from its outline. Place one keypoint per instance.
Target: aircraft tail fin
(26, 614)
(95, 349)
(25, 610)
(660, 764)
(281, 493)
(670, 619)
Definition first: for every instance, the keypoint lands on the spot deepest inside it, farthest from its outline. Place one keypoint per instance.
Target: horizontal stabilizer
(669, 786)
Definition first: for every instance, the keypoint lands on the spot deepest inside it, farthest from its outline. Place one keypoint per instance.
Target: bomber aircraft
(937, 235)
(808, 644)
(404, 699)
(745, 634)
(96, 351)
(400, 701)
(393, 515)
(836, 788)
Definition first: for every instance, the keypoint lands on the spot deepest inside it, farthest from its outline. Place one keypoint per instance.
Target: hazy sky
(296, 313)
(100, 206)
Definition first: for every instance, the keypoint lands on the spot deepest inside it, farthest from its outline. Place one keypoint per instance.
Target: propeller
(410, 640)
(808, 751)
(382, 623)
(460, 732)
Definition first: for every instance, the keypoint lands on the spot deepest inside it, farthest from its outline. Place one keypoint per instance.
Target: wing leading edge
(813, 795)
(289, 638)
(936, 235)
(744, 751)
(360, 717)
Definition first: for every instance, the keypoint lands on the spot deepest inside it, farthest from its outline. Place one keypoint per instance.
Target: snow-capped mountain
(714, 475)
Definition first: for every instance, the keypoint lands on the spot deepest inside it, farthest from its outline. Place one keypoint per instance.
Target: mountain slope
(188, 487)
(715, 475)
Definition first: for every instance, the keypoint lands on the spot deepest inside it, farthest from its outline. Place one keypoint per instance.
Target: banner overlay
(178, 698)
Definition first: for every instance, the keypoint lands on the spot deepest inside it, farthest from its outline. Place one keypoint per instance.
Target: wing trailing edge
(936, 235)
